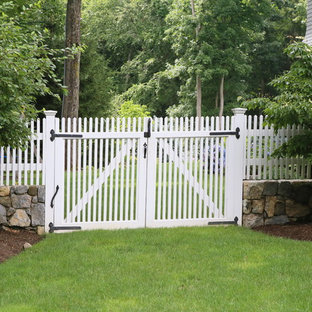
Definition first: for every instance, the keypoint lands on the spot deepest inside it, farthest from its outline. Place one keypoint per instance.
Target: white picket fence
(261, 141)
(26, 166)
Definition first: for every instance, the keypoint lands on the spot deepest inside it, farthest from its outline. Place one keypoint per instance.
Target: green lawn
(182, 269)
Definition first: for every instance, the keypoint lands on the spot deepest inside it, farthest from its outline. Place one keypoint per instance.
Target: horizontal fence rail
(19, 166)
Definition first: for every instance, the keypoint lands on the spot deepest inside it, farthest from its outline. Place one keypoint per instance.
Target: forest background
(163, 54)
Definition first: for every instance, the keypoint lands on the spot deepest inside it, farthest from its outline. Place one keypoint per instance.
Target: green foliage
(129, 109)
(147, 51)
(215, 42)
(293, 103)
(25, 64)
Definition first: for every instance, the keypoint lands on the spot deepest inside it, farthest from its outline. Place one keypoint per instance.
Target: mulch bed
(13, 240)
(292, 231)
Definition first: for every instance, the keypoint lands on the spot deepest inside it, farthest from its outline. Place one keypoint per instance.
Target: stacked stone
(276, 202)
(22, 206)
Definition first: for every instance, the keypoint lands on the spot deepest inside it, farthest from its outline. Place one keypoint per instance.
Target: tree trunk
(198, 79)
(198, 96)
(72, 65)
(127, 74)
(217, 100)
(221, 97)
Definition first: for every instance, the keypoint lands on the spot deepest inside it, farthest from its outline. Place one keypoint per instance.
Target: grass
(182, 269)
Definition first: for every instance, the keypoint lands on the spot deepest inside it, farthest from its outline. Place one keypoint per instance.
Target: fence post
(49, 164)
(236, 163)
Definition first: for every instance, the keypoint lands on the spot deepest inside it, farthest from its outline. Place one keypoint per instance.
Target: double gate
(108, 174)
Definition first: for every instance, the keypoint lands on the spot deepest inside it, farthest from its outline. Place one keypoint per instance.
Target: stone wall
(276, 202)
(22, 206)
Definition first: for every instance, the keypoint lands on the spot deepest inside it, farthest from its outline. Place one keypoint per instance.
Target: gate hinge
(62, 228)
(236, 133)
(58, 135)
(234, 222)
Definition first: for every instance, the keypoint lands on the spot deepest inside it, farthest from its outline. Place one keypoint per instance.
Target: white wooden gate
(131, 173)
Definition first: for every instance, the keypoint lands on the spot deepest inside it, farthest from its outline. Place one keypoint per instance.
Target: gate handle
(52, 200)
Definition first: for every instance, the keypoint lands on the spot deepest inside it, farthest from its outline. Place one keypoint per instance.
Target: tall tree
(219, 46)
(72, 62)
(198, 78)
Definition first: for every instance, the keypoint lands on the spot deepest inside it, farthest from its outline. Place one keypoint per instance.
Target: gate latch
(145, 149)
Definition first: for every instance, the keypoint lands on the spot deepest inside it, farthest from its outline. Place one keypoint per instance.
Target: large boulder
(3, 219)
(4, 191)
(21, 201)
(252, 220)
(270, 188)
(19, 190)
(6, 201)
(37, 214)
(277, 220)
(253, 190)
(296, 210)
(19, 218)
(41, 194)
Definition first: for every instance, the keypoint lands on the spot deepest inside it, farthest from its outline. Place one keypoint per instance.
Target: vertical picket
(128, 153)
(122, 173)
(164, 179)
(25, 165)
(160, 181)
(254, 146)
(38, 152)
(180, 161)
(80, 181)
(216, 169)
(73, 171)
(205, 154)
(95, 172)
(110, 173)
(185, 179)
(212, 212)
(260, 149)
(176, 157)
(169, 180)
(265, 153)
(68, 165)
(84, 171)
(200, 193)
(100, 174)
(190, 169)
(195, 160)
(225, 124)
(106, 159)
(133, 180)
(89, 174)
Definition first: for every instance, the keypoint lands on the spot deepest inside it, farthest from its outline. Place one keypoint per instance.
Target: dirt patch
(292, 231)
(12, 241)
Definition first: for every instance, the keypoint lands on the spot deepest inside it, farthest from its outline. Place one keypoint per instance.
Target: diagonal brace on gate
(196, 186)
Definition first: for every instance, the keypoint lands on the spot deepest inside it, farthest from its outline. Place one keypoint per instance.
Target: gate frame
(234, 167)
(234, 182)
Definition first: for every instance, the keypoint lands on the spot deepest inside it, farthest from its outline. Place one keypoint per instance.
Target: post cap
(50, 113)
(239, 111)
